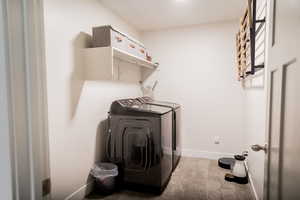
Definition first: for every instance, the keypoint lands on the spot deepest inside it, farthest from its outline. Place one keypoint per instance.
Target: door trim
(26, 85)
(268, 127)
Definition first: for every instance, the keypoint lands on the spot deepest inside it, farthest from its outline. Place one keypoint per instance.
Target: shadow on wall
(126, 72)
(100, 151)
(256, 82)
(101, 139)
(80, 42)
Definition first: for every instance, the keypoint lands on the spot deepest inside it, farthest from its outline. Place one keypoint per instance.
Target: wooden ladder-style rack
(246, 41)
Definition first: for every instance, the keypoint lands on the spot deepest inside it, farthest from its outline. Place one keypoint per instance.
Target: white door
(282, 177)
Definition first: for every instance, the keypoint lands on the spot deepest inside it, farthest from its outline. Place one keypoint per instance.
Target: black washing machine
(140, 143)
(176, 133)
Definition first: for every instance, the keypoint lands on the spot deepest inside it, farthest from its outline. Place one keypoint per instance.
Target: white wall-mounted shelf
(122, 55)
(108, 62)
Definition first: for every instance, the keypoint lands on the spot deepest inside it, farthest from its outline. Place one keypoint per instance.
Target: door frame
(26, 96)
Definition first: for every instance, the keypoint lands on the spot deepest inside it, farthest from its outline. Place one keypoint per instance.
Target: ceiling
(147, 15)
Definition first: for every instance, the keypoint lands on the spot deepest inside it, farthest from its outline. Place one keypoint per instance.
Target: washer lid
(151, 108)
(165, 103)
(149, 100)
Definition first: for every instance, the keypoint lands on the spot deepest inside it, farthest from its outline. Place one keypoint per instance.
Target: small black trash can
(105, 177)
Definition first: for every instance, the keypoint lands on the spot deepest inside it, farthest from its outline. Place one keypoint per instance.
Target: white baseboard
(204, 154)
(81, 192)
(251, 182)
(252, 187)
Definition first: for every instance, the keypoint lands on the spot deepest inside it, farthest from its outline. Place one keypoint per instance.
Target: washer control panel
(134, 103)
(145, 99)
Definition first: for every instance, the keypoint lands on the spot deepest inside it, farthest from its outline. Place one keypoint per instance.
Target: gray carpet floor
(194, 179)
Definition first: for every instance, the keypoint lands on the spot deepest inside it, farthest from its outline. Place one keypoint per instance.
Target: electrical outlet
(217, 140)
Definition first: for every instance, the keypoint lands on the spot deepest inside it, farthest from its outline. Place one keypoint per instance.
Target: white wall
(197, 70)
(5, 166)
(76, 106)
